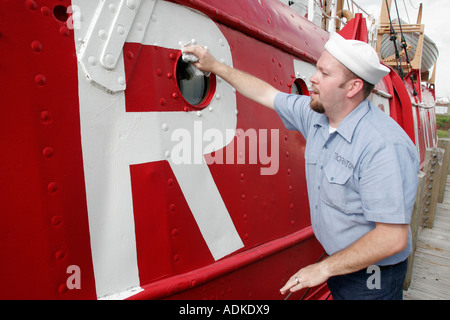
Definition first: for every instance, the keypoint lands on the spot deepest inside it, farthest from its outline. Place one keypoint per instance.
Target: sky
(435, 16)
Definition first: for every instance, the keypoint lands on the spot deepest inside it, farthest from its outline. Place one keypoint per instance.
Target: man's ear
(355, 86)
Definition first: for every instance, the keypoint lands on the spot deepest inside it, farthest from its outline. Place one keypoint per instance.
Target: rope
(393, 38)
(405, 45)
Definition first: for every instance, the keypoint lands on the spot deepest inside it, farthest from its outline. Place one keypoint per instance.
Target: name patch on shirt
(346, 163)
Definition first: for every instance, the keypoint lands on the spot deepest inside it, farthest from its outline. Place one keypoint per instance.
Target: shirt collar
(348, 125)
(322, 122)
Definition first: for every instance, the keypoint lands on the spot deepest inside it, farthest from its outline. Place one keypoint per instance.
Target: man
(361, 169)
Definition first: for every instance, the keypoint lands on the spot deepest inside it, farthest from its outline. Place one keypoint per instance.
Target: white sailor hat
(359, 57)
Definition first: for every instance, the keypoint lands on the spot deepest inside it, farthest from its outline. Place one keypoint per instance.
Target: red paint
(44, 226)
(355, 29)
(402, 105)
(250, 17)
(188, 285)
(165, 226)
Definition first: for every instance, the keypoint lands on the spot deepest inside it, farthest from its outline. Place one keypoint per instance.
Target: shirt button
(318, 187)
(332, 179)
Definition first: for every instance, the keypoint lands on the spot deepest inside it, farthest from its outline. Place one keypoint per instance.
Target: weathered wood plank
(430, 278)
(444, 143)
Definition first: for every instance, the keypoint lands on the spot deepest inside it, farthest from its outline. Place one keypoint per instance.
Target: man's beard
(317, 106)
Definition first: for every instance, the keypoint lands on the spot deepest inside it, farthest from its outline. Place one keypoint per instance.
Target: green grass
(442, 120)
(442, 133)
(443, 125)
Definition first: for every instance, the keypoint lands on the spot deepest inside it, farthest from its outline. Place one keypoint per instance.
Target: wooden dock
(430, 277)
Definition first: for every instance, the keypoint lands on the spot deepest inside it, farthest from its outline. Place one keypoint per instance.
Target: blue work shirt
(364, 172)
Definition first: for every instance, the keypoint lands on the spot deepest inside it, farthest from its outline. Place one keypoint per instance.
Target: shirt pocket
(334, 185)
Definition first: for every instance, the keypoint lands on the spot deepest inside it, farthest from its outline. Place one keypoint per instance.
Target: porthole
(298, 86)
(196, 88)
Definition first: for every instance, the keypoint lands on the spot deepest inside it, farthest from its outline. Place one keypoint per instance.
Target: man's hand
(310, 276)
(206, 62)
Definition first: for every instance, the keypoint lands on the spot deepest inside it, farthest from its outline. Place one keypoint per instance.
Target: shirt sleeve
(294, 111)
(388, 183)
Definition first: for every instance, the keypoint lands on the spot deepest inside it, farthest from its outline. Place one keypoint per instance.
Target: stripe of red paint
(168, 240)
(44, 227)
